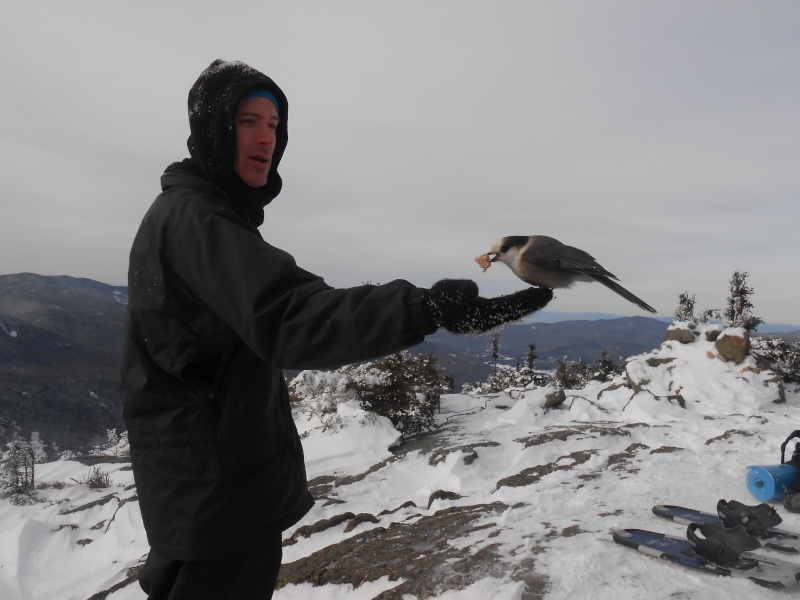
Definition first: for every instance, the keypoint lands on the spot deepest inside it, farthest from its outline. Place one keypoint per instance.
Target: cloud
(661, 138)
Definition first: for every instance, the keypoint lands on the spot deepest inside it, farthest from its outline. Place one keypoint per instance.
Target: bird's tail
(614, 286)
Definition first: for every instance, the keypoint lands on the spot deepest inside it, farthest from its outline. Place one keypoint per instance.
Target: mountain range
(59, 359)
(60, 341)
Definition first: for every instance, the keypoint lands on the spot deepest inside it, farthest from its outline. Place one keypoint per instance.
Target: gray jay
(545, 262)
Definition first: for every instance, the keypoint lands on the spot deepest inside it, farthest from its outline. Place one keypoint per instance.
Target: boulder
(733, 344)
(555, 399)
(679, 333)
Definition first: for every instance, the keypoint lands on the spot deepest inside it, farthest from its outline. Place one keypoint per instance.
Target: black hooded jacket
(214, 314)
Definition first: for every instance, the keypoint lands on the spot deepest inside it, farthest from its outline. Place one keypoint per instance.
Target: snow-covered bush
(116, 445)
(782, 356)
(507, 379)
(572, 375)
(406, 389)
(317, 394)
(96, 479)
(577, 374)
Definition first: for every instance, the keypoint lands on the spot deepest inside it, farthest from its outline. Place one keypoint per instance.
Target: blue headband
(262, 93)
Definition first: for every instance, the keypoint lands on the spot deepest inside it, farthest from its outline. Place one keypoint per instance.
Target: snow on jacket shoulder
(214, 314)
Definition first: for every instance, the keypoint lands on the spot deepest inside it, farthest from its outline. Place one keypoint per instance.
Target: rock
(733, 344)
(665, 450)
(532, 475)
(417, 555)
(612, 387)
(307, 531)
(728, 434)
(638, 386)
(555, 399)
(657, 362)
(358, 520)
(440, 454)
(679, 334)
(674, 397)
(442, 495)
(781, 394)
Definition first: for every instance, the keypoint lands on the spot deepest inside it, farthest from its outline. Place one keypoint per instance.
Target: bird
(543, 261)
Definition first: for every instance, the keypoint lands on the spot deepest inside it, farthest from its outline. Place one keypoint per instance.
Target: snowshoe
(719, 544)
(754, 519)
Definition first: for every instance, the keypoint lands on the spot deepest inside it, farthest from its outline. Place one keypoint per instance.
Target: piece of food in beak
(483, 261)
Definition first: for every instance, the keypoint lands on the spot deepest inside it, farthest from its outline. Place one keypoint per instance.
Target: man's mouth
(260, 159)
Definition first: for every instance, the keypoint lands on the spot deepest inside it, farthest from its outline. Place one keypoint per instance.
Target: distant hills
(59, 358)
(468, 358)
(60, 342)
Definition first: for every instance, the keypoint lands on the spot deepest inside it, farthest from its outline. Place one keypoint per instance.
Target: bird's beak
(492, 256)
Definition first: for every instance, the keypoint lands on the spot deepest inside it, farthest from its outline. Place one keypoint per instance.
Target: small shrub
(96, 479)
(404, 388)
(685, 311)
(572, 375)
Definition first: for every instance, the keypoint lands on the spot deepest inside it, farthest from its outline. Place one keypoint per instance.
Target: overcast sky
(661, 137)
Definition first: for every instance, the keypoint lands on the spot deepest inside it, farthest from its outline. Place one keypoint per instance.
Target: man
(215, 313)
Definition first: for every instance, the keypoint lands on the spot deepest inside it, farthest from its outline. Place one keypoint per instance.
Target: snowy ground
(567, 478)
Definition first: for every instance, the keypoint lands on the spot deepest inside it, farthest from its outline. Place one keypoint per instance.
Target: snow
(9, 332)
(359, 440)
(610, 456)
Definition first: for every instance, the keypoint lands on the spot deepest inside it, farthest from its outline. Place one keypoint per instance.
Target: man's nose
(266, 137)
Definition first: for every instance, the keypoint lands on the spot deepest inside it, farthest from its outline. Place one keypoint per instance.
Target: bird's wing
(549, 253)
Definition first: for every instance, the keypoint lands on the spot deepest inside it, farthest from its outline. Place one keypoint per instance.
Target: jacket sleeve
(289, 317)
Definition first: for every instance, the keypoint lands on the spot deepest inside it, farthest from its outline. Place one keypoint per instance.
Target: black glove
(455, 305)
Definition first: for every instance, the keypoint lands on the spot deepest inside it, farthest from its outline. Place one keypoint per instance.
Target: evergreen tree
(19, 465)
(606, 368)
(685, 310)
(530, 358)
(738, 312)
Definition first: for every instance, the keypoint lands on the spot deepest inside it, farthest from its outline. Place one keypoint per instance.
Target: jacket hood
(213, 100)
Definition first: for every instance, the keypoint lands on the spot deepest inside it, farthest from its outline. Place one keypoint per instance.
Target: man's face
(256, 121)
